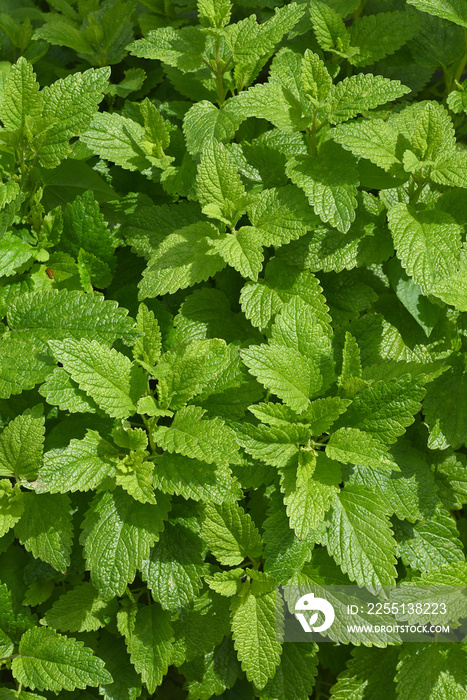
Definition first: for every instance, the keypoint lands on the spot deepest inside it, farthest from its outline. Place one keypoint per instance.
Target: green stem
(219, 74)
(359, 10)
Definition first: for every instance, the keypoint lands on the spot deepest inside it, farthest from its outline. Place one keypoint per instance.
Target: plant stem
(219, 74)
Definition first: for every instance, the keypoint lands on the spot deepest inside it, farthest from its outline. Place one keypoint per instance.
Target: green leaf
(430, 671)
(118, 533)
(15, 253)
(361, 92)
(204, 123)
(21, 445)
(55, 315)
(50, 661)
(381, 34)
(426, 546)
(373, 139)
(184, 258)
(118, 139)
(21, 97)
(368, 671)
(11, 507)
(64, 34)
(329, 28)
(45, 528)
(80, 610)
(103, 373)
(284, 553)
(451, 170)
(287, 683)
(422, 309)
(207, 440)
(150, 645)
(21, 366)
(181, 49)
(360, 539)
(79, 467)
(212, 673)
(60, 390)
(215, 13)
(254, 621)
(219, 187)
(174, 568)
(309, 497)
(316, 80)
(452, 10)
(147, 348)
(353, 446)
(445, 407)
(135, 476)
(331, 191)
(175, 474)
(284, 371)
(428, 244)
(281, 215)
(230, 533)
(242, 250)
(185, 371)
(69, 105)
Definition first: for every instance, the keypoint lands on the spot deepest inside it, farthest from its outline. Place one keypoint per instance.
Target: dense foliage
(233, 350)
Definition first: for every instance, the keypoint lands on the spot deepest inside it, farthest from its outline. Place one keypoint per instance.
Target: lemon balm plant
(233, 290)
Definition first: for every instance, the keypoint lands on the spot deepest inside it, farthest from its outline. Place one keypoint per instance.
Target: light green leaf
(431, 671)
(206, 440)
(284, 371)
(175, 474)
(359, 537)
(353, 446)
(452, 10)
(381, 34)
(284, 553)
(69, 105)
(230, 533)
(215, 13)
(103, 373)
(189, 369)
(60, 390)
(329, 28)
(118, 533)
(11, 507)
(361, 92)
(451, 169)
(64, 34)
(150, 645)
(219, 187)
(315, 77)
(45, 528)
(182, 48)
(117, 139)
(174, 568)
(242, 250)
(55, 315)
(184, 258)
(445, 407)
(79, 467)
(21, 366)
(307, 499)
(14, 254)
(426, 546)
(330, 190)
(281, 215)
(373, 139)
(428, 244)
(20, 97)
(21, 444)
(80, 610)
(135, 476)
(49, 661)
(254, 621)
(204, 122)
(147, 348)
